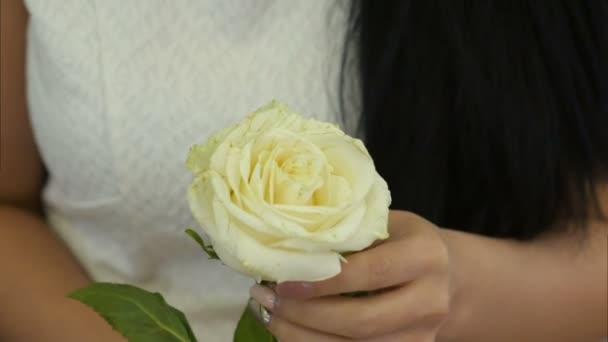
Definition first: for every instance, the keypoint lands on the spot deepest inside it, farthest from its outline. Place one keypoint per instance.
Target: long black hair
(484, 115)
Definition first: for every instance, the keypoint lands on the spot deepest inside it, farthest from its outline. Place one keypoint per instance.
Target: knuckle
(442, 256)
(410, 216)
(438, 309)
(436, 318)
(436, 256)
(433, 308)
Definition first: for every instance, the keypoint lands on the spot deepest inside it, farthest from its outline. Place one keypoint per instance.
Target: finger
(419, 335)
(284, 330)
(403, 223)
(384, 266)
(416, 304)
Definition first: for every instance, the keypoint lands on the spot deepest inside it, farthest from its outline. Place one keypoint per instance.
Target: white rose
(281, 197)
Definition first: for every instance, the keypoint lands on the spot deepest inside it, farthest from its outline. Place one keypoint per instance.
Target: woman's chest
(119, 90)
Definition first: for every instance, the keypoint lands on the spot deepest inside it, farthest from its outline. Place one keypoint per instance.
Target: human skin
(447, 285)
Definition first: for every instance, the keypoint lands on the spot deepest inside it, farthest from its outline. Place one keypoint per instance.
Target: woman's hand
(408, 275)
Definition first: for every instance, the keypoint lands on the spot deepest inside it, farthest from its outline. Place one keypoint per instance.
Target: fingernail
(260, 312)
(295, 289)
(263, 295)
(266, 317)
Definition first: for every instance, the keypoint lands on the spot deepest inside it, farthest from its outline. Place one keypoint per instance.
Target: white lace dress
(118, 91)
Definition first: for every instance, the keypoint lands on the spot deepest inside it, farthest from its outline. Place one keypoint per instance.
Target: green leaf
(139, 315)
(251, 329)
(207, 248)
(182, 318)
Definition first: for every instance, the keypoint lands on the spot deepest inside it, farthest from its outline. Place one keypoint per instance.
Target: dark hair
(485, 116)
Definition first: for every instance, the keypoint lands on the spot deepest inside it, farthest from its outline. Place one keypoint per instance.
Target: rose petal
(348, 160)
(221, 193)
(279, 196)
(233, 174)
(200, 196)
(335, 192)
(333, 235)
(374, 225)
(279, 265)
(200, 199)
(199, 156)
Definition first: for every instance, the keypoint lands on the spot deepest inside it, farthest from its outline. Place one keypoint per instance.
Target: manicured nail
(296, 289)
(266, 317)
(263, 295)
(260, 312)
